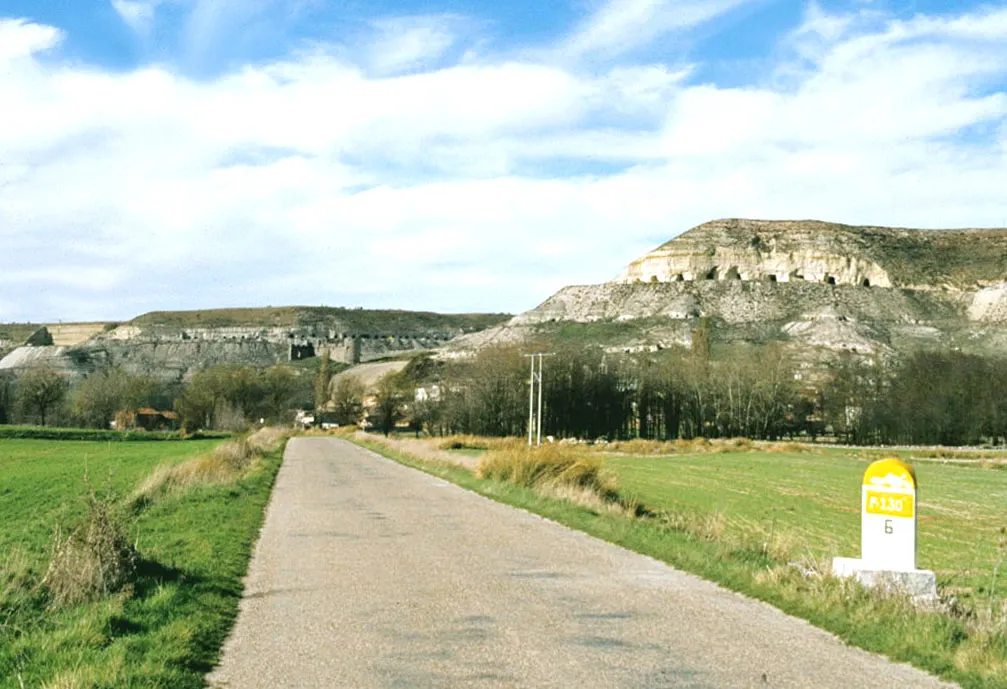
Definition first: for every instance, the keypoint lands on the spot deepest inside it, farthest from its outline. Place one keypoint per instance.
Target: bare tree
(99, 397)
(41, 388)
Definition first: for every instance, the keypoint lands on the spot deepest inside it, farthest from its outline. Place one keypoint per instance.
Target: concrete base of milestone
(921, 584)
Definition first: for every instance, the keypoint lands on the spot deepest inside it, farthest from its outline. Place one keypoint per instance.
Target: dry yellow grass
(474, 442)
(556, 471)
(226, 463)
(547, 464)
(636, 446)
(681, 446)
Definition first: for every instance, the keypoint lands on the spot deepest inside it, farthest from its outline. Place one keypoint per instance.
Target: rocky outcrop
(817, 287)
(989, 305)
(812, 251)
(171, 346)
(29, 356)
(40, 338)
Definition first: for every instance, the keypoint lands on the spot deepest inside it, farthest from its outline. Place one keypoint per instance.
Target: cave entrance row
(733, 273)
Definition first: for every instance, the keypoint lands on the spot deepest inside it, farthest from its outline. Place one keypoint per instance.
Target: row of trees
(942, 397)
(229, 397)
(928, 398)
(945, 398)
(590, 394)
(225, 397)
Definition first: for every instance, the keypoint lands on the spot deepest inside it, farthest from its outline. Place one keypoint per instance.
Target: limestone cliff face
(168, 346)
(812, 251)
(815, 286)
(989, 305)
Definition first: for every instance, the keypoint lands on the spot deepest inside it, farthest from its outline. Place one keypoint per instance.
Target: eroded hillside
(172, 344)
(818, 287)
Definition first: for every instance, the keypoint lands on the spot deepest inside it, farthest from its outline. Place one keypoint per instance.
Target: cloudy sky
(464, 155)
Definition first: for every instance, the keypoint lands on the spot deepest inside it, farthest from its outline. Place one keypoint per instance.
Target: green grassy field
(813, 501)
(166, 629)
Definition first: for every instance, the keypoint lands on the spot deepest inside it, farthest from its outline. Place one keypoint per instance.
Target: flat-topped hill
(174, 344)
(817, 287)
(337, 318)
(811, 250)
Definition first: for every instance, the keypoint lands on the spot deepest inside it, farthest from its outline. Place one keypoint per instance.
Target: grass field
(166, 628)
(812, 501)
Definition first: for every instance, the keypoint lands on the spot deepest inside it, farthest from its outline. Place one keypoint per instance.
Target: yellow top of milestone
(890, 473)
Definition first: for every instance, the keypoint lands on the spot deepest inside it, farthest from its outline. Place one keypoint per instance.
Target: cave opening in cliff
(830, 280)
(865, 283)
(679, 278)
(712, 275)
(733, 274)
(771, 277)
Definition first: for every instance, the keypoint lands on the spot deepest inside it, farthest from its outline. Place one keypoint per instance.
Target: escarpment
(172, 345)
(817, 287)
(813, 251)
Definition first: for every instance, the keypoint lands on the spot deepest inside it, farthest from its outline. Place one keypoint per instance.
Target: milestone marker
(888, 533)
(888, 516)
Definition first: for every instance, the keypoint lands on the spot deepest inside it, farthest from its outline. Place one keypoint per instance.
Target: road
(370, 574)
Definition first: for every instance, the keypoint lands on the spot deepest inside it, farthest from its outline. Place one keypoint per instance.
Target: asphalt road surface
(370, 574)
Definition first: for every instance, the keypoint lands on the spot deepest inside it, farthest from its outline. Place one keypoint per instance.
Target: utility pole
(531, 400)
(535, 422)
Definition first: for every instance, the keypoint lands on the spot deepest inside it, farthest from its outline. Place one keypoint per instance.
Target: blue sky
(464, 155)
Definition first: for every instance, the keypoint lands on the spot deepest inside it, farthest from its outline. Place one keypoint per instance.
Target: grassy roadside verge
(955, 644)
(191, 515)
(56, 433)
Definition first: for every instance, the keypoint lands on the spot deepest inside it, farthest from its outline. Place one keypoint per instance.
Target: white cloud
(457, 187)
(407, 43)
(20, 39)
(620, 26)
(138, 14)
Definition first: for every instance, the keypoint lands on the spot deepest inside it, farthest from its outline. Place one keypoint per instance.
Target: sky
(464, 155)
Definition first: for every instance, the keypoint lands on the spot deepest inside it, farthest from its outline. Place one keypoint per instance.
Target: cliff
(172, 345)
(820, 288)
(814, 251)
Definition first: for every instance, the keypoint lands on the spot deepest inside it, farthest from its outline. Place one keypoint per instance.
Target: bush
(549, 465)
(94, 560)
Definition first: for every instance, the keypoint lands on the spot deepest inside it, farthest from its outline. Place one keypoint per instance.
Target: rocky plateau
(818, 288)
(173, 345)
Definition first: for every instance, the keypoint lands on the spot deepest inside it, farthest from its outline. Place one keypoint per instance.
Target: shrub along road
(371, 574)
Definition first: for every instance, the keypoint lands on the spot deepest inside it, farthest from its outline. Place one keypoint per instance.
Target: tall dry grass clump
(475, 442)
(556, 471)
(95, 559)
(268, 439)
(226, 463)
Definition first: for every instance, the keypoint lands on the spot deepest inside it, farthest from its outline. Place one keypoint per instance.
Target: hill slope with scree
(819, 288)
